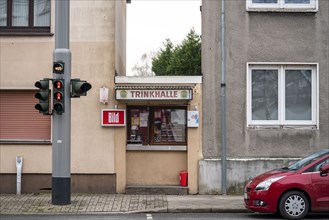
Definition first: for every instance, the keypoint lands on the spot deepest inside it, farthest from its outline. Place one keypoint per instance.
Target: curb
(207, 210)
(162, 210)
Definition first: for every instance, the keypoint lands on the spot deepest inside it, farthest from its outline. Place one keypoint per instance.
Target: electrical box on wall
(193, 119)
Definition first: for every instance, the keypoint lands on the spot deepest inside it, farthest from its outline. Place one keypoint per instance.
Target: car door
(320, 188)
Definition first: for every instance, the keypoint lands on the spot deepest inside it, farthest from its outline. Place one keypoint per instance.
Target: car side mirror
(324, 170)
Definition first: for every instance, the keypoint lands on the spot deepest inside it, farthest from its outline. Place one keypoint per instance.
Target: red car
(292, 191)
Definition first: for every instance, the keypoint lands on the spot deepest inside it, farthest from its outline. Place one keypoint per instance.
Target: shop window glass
(138, 132)
(156, 125)
(169, 126)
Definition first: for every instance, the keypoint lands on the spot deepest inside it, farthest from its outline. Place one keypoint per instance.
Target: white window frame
(281, 6)
(281, 67)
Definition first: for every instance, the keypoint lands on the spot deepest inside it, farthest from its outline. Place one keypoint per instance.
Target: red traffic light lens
(58, 96)
(58, 84)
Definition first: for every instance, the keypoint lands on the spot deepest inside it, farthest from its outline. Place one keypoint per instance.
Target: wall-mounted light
(104, 95)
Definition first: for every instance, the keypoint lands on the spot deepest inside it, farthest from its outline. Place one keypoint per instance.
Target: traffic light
(43, 96)
(58, 96)
(79, 88)
(58, 67)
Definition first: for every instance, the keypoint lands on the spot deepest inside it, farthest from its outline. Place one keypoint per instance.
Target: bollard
(19, 165)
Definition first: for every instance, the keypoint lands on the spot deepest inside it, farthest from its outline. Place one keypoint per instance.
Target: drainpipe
(223, 98)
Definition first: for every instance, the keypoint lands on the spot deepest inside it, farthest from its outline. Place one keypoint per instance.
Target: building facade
(149, 129)
(276, 86)
(127, 134)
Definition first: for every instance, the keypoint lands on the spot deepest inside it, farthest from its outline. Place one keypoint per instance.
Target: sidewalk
(119, 203)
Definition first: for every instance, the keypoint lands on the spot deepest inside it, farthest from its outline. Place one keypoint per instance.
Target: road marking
(149, 217)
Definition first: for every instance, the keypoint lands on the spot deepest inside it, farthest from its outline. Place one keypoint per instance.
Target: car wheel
(293, 205)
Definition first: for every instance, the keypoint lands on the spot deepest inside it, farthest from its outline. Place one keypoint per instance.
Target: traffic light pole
(61, 130)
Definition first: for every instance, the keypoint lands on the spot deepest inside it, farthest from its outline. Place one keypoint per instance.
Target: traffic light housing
(58, 67)
(58, 96)
(79, 88)
(43, 96)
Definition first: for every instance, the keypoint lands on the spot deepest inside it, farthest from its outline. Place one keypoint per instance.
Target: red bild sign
(113, 117)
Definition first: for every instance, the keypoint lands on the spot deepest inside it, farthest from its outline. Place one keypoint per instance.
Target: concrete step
(156, 190)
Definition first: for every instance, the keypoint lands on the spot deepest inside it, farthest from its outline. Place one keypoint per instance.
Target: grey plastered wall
(239, 172)
(260, 37)
(210, 58)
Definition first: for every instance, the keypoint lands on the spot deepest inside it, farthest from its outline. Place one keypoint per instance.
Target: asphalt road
(157, 216)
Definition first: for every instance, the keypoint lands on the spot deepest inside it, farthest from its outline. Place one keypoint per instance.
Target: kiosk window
(156, 125)
(138, 126)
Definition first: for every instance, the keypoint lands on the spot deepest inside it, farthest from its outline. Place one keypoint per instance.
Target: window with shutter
(20, 121)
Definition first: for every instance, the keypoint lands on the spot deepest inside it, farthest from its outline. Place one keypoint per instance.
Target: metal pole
(223, 99)
(61, 130)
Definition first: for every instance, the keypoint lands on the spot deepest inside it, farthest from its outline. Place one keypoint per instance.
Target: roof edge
(158, 79)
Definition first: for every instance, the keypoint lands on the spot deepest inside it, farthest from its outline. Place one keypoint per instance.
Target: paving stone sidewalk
(82, 203)
(118, 203)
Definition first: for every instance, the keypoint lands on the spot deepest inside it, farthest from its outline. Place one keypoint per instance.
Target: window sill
(23, 34)
(140, 147)
(284, 127)
(288, 10)
(25, 142)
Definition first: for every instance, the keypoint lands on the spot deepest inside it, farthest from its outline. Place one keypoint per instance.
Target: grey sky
(150, 22)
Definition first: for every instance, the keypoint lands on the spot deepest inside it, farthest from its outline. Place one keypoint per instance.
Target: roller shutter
(19, 120)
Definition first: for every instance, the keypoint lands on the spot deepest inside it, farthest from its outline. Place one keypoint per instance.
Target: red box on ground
(183, 176)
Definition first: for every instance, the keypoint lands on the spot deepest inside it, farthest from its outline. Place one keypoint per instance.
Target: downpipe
(223, 99)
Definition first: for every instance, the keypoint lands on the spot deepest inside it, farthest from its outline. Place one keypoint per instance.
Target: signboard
(148, 94)
(193, 119)
(113, 117)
